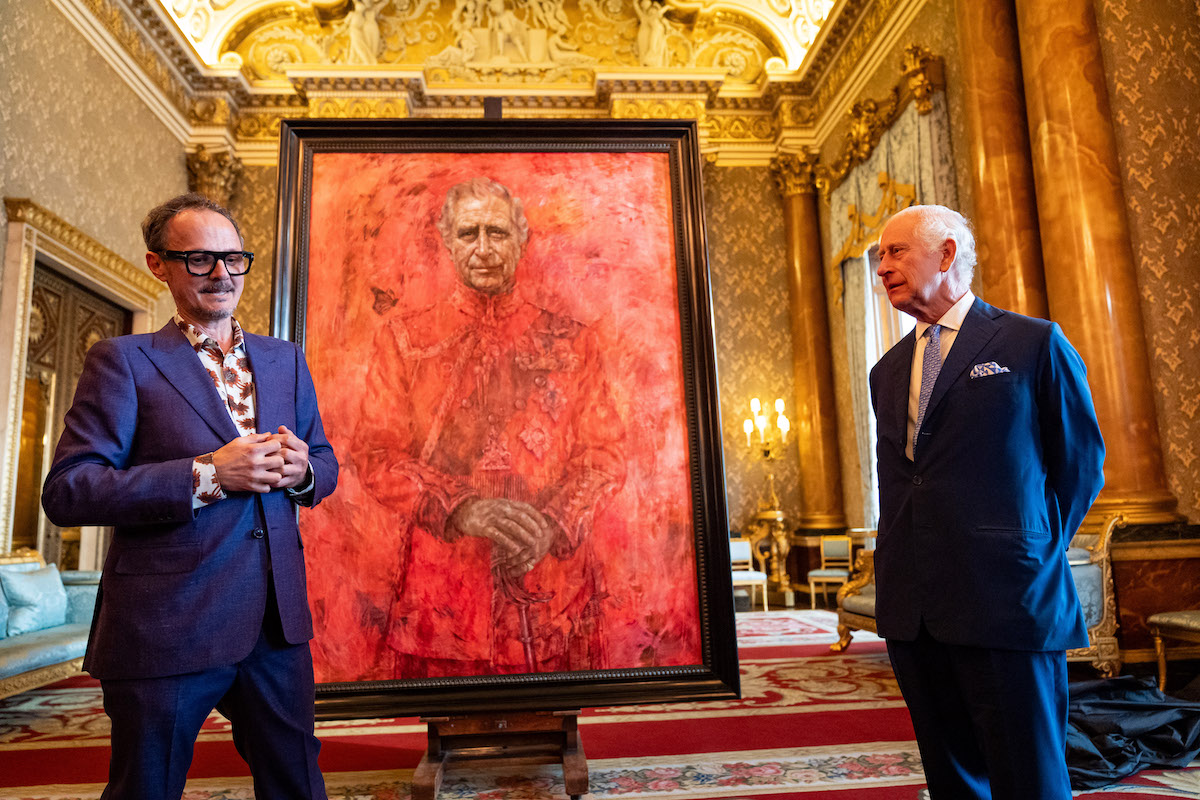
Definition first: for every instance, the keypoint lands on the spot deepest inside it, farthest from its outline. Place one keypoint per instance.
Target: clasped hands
(260, 462)
(521, 535)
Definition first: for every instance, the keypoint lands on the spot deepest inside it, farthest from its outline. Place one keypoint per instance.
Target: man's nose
(220, 271)
(484, 245)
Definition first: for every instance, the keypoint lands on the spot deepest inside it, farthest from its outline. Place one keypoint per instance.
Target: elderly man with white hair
(989, 457)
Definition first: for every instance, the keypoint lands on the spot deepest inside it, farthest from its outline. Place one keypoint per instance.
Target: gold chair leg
(1160, 651)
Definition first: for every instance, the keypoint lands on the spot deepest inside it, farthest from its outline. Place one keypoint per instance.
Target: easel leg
(502, 739)
(427, 778)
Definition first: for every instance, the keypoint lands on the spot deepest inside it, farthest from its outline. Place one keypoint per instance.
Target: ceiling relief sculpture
(499, 41)
(755, 74)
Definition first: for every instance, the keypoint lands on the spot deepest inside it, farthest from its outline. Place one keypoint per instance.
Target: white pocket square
(988, 368)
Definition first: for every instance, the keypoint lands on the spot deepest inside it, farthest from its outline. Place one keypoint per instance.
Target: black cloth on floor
(1123, 725)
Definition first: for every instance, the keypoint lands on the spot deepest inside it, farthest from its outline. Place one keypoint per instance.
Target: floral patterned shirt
(231, 375)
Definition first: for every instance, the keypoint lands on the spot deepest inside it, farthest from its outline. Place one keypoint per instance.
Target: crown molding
(165, 102)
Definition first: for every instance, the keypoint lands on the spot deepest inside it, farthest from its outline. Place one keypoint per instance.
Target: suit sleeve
(91, 481)
(310, 428)
(1073, 448)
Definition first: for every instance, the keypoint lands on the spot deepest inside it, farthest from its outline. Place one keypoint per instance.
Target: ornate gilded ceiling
(759, 75)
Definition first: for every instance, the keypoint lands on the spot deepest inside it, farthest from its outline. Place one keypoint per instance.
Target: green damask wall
(74, 138)
(1152, 63)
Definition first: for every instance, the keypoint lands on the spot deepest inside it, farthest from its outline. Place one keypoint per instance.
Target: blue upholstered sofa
(1091, 567)
(44, 621)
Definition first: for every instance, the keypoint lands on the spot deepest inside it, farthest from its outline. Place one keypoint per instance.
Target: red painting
(501, 374)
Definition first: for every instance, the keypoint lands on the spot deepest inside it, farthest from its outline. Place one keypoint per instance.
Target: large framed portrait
(509, 327)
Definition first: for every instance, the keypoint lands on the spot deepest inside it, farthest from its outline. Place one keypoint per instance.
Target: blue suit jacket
(972, 536)
(182, 590)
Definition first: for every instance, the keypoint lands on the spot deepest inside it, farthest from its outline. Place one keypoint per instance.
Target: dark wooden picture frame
(330, 248)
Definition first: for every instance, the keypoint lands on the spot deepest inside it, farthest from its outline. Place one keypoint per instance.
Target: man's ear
(156, 266)
(949, 251)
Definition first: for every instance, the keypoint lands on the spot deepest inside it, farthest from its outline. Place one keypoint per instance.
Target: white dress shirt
(951, 322)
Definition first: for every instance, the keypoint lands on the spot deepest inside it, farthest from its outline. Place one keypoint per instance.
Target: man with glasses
(197, 443)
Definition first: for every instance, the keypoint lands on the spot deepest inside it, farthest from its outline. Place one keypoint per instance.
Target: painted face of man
(484, 244)
(213, 297)
(916, 279)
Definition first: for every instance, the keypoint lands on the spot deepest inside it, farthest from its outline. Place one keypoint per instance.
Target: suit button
(258, 533)
(918, 480)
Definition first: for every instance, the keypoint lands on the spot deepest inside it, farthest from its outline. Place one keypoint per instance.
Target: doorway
(65, 320)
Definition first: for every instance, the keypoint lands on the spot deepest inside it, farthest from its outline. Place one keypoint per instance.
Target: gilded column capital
(795, 173)
(214, 174)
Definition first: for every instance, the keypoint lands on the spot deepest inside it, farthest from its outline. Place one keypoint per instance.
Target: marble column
(1005, 216)
(1091, 280)
(815, 413)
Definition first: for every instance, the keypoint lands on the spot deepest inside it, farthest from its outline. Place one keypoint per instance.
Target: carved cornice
(760, 75)
(795, 173)
(79, 249)
(136, 41)
(870, 119)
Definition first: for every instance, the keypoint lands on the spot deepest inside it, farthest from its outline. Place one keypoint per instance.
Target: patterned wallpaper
(253, 205)
(753, 332)
(1151, 53)
(73, 137)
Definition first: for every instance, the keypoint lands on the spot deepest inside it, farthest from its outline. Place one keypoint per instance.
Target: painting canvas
(509, 338)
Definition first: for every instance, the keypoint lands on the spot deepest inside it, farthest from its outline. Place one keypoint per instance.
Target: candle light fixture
(766, 437)
(771, 433)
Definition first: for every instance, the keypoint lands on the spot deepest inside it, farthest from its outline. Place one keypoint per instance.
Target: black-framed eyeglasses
(201, 263)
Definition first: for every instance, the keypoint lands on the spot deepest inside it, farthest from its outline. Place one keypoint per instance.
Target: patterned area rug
(791, 628)
(810, 724)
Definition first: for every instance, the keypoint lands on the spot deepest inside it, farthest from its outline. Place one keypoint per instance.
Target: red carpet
(811, 724)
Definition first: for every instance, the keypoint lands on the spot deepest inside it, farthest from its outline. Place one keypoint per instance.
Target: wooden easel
(521, 737)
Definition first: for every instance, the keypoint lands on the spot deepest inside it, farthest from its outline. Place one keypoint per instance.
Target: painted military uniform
(496, 396)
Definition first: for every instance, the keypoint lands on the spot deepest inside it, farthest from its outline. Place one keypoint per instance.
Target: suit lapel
(899, 373)
(977, 330)
(173, 356)
(264, 363)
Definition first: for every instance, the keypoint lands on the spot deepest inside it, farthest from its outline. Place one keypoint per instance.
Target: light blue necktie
(931, 365)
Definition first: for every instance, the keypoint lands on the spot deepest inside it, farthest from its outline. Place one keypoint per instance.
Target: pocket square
(988, 368)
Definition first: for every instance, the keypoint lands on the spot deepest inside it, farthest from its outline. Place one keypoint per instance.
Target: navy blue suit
(973, 589)
(186, 592)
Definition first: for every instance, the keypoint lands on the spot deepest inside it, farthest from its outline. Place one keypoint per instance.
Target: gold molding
(136, 43)
(865, 228)
(78, 249)
(40, 677)
(13, 400)
(1148, 510)
(922, 74)
(1156, 551)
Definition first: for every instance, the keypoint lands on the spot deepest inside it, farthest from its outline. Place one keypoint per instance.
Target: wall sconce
(772, 434)
(766, 438)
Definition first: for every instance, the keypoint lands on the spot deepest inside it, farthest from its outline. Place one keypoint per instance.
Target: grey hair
(480, 187)
(935, 224)
(154, 226)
